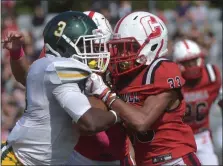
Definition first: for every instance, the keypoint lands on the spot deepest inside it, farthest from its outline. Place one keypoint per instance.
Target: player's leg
(217, 139)
(205, 150)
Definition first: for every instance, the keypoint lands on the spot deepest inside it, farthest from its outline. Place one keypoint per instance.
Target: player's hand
(96, 86)
(13, 41)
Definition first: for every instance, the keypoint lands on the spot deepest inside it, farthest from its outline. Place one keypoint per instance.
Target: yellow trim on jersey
(8, 158)
(72, 75)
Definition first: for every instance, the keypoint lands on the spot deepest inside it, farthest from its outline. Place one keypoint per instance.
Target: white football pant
(205, 150)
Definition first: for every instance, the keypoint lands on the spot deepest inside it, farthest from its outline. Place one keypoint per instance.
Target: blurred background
(198, 20)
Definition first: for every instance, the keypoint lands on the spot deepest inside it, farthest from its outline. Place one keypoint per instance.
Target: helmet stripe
(211, 73)
(186, 45)
(157, 54)
(91, 14)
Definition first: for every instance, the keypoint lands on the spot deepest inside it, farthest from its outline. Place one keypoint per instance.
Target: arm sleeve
(72, 100)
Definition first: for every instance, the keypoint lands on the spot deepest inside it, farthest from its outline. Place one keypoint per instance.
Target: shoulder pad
(67, 71)
(213, 72)
(150, 74)
(165, 74)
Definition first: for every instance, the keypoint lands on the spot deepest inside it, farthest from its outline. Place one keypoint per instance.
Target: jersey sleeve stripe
(149, 79)
(211, 72)
(71, 75)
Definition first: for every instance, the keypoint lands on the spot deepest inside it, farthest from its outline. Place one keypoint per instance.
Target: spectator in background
(125, 8)
(38, 17)
(8, 7)
(182, 12)
(178, 35)
(113, 8)
(12, 99)
(9, 24)
(38, 24)
(160, 14)
(97, 5)
(198, 14)
(12, 94)
(194, 33)
(214, 50)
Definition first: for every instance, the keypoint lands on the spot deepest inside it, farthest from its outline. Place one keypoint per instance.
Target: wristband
(104, 93)
(105, 97)
(16, 54)
(112, 97)
(116, 117)
(112, 101)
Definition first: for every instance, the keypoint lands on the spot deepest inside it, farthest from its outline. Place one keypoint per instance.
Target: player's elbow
(87, 131)
(141, 127)
(88, 127)
(89, 123)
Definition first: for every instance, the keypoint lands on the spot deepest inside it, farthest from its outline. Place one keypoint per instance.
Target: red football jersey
(200, 98)
(109, 145)
(169, 137)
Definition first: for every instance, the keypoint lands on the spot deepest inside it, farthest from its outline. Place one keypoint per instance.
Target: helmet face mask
(92, 51)
(191, 69)
(190, 59)
(77, 40)
(123, 56)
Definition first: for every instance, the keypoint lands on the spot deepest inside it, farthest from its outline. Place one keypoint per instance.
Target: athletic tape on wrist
(17, 54)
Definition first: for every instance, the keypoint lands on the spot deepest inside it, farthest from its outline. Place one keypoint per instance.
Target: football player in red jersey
(109, 147)
(203, 82)
(152, 105)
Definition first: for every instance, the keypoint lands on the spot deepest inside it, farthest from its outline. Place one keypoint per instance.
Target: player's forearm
(141, 119)
(89, 119)
(95, 120)
(19, 65)
(132, 116)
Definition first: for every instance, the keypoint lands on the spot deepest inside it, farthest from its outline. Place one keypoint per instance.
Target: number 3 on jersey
(60, 28)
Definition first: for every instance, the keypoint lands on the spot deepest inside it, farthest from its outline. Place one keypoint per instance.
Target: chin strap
(51, 50)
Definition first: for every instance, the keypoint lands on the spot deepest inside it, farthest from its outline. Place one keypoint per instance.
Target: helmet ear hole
(153, 48)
